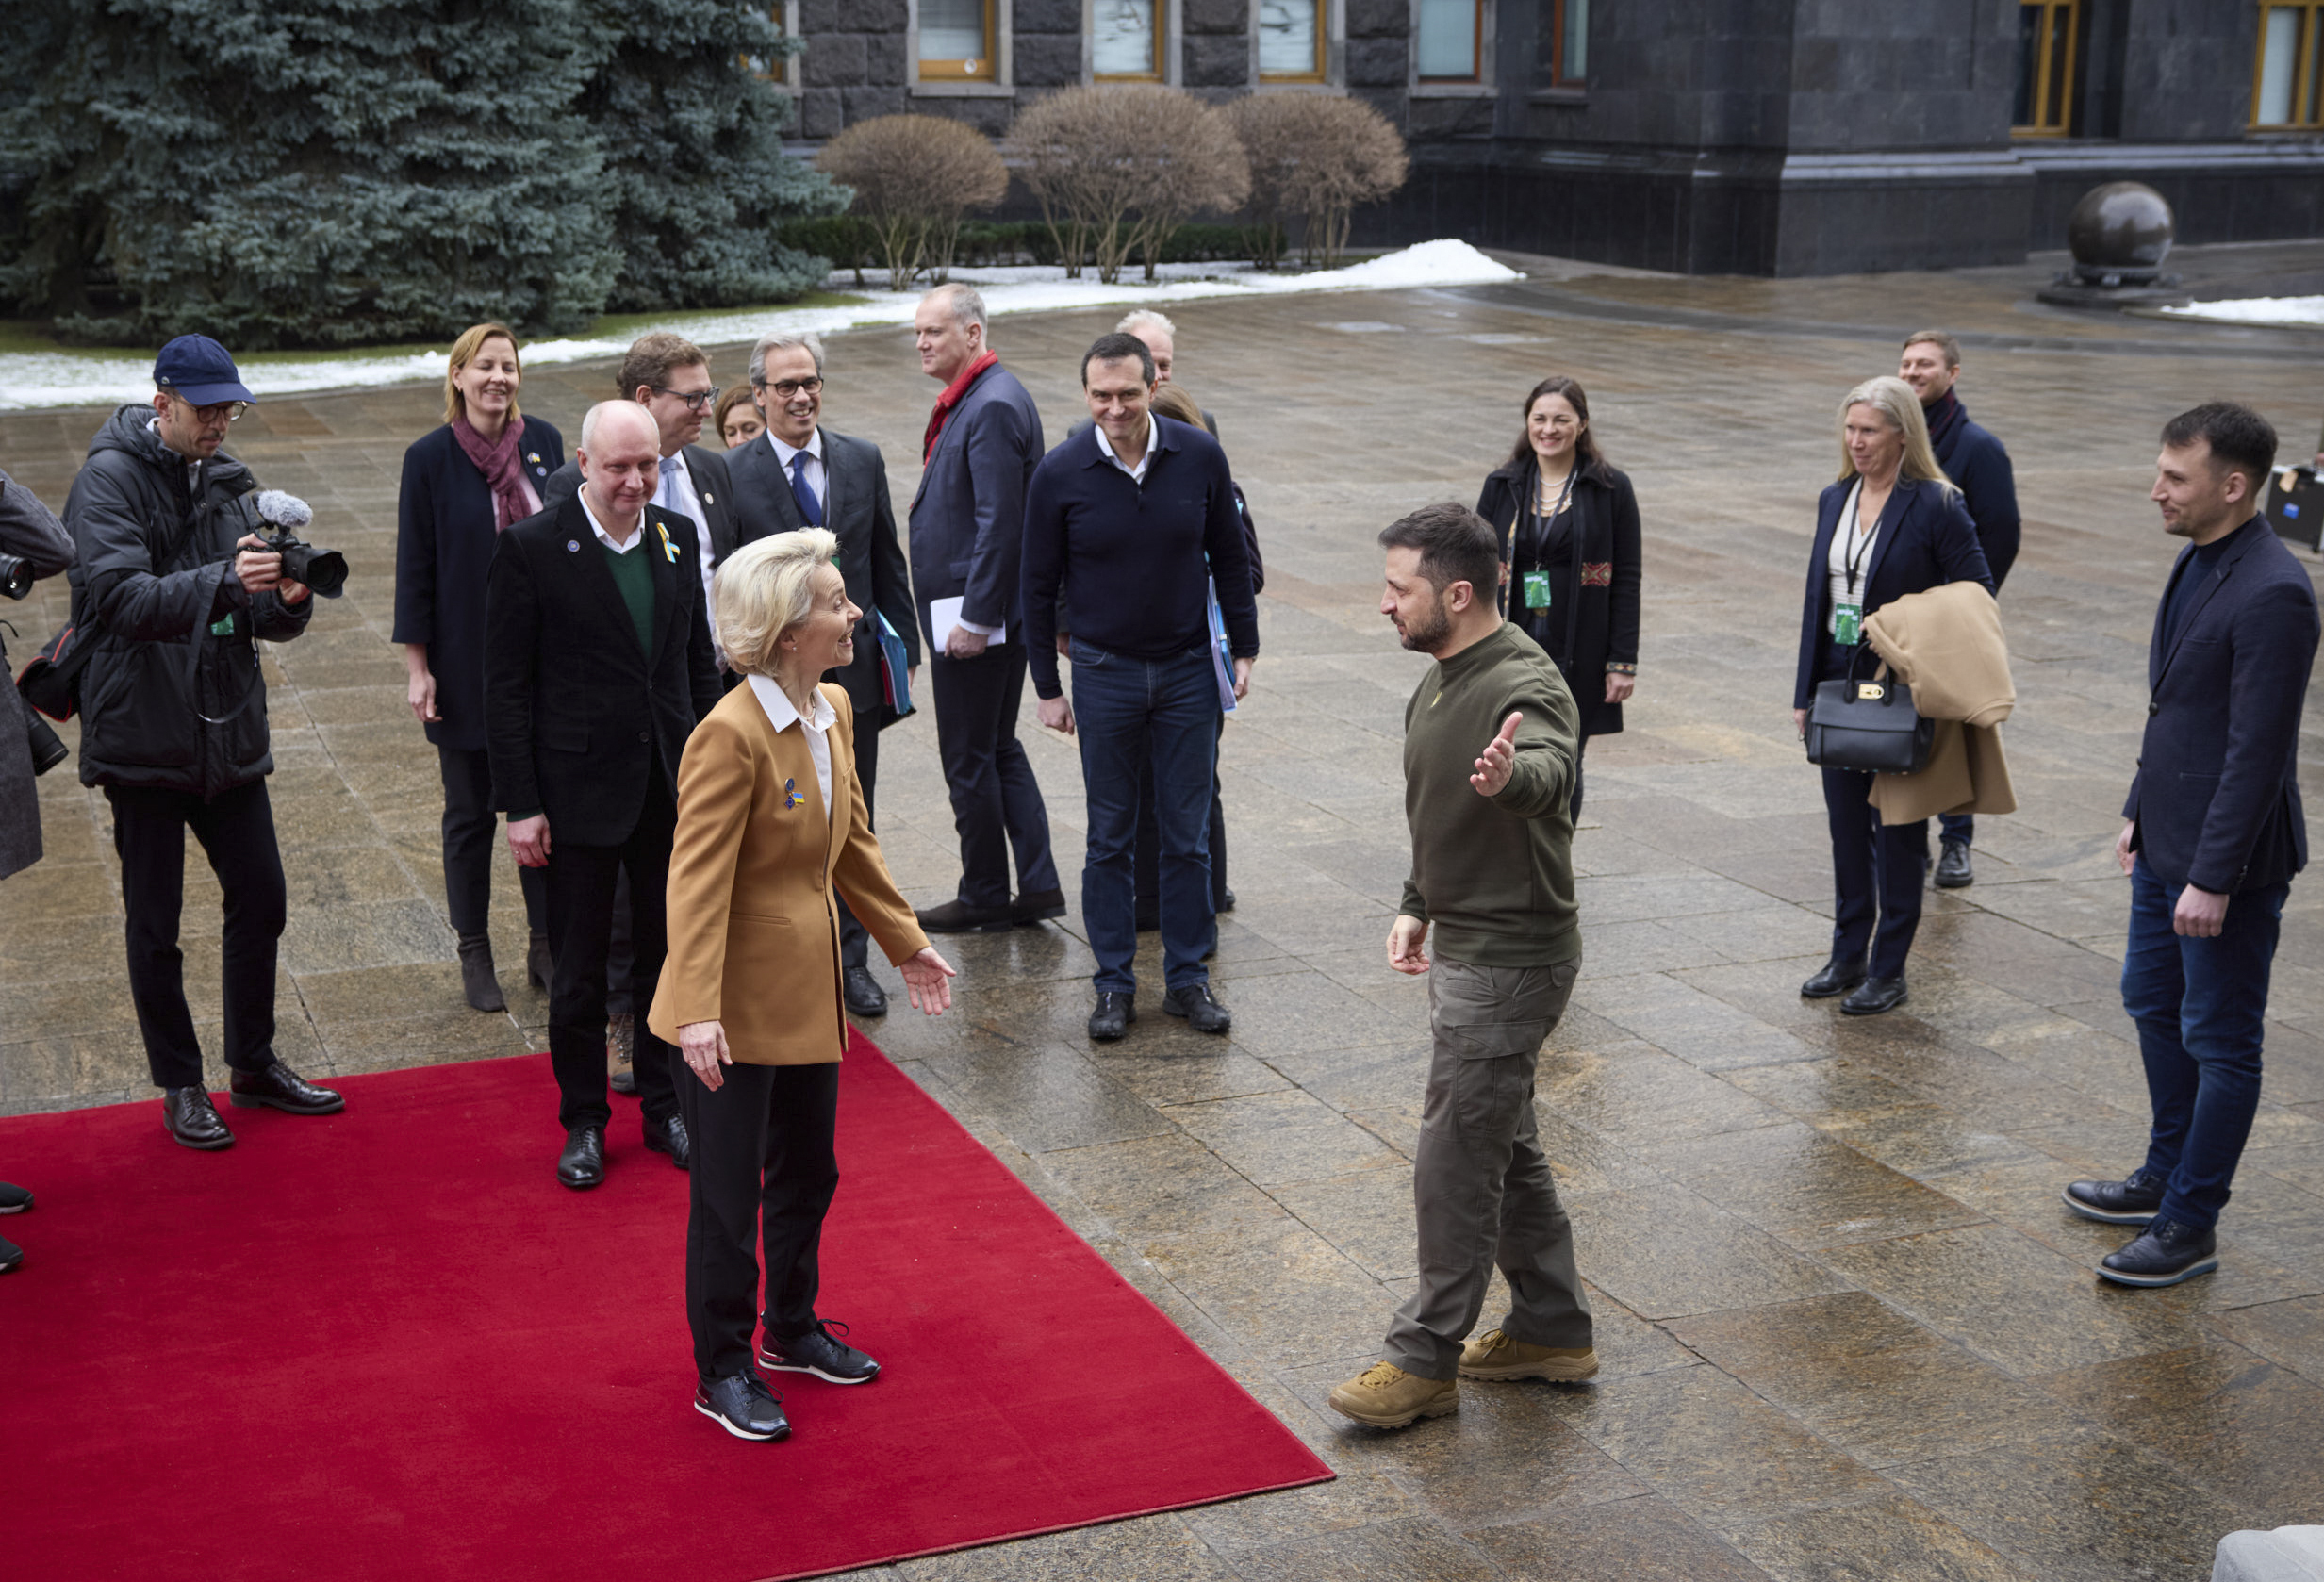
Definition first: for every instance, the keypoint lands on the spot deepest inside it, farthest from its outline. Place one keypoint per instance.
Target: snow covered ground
(77, 379)
(2254, 311)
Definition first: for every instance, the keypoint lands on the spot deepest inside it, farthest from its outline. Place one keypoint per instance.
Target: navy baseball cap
(198, 370)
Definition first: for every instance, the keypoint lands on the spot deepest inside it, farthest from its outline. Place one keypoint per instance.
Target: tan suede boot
(1495, 1355)
(1385, 1396)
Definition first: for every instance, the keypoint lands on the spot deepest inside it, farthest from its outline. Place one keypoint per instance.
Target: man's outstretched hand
(1500, 759)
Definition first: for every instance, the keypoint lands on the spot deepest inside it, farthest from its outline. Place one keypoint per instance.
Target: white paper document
(944, 614)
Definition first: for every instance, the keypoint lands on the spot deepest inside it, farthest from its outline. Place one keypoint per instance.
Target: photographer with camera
(33, 544)
(177, 585)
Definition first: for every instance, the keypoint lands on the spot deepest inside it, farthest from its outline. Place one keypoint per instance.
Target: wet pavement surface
(1848, 1329)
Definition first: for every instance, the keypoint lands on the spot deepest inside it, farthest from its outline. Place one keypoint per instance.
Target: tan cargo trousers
(1481, 1186)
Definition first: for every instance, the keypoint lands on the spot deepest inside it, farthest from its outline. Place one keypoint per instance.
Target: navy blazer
(871, 561)
(1925, 541)
(1979, 467)
(575, 712)
(967, 516)
(2216, 796)
(445, 535)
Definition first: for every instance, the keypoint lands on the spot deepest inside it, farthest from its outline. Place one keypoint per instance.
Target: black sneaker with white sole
(821, 1353)
(743, 1406)
(2134, 1201)
(15, 1199)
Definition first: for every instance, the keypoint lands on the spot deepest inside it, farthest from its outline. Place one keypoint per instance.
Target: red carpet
(387, 1344)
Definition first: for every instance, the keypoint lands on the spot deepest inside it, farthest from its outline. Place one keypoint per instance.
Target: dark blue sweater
(1131, 558)
(1980, 468)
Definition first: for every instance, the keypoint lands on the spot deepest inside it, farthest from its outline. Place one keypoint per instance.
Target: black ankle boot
(538, 965)
(476, 976)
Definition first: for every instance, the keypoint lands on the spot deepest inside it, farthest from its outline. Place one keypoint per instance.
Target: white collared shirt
(814, 473)
(688, 504)
(783, 714)
(636, 537)
(1105, 447)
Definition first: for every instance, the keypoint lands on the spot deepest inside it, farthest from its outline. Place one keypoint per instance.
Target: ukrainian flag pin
(792, 797)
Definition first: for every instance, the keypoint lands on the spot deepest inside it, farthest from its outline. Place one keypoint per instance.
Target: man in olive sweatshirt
(1489, 763)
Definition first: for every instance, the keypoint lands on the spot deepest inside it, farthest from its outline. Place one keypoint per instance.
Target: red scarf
(501, 463)
(951, 398)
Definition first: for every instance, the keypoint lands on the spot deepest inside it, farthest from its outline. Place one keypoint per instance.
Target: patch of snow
(2253, 310)
(79, 379)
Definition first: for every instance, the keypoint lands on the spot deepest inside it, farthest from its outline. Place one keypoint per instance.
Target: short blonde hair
(1894, 400)
(764, 590)
(1172, 401)
(464, 352)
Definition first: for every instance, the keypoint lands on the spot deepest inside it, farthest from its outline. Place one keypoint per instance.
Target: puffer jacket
(167, 700)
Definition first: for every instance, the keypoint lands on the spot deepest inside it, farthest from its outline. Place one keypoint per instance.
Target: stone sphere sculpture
(2120, 234)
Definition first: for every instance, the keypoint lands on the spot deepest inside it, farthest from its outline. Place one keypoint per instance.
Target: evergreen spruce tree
(693, 143)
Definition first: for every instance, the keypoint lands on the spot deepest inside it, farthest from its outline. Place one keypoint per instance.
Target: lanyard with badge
(1848, 613)
(1536, 581)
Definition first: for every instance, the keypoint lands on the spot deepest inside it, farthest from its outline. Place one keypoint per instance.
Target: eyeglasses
(230, 410)
(783, 389)
(696, 401)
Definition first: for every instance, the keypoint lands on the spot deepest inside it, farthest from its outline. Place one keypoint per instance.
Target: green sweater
(1493, 876)
(633, 573)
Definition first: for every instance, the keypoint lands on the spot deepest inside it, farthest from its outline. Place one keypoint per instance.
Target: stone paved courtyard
(1849, 1330)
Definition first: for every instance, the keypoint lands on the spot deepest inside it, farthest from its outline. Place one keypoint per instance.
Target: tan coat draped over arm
(755, 870)
(1946, 644)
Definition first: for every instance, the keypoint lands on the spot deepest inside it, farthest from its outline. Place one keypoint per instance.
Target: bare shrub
(1118, 169)
(1316, 156)
(915, 178)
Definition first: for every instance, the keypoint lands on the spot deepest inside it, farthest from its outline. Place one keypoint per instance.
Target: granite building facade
(1769, 136)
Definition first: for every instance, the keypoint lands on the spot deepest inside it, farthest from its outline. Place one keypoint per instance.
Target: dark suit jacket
(1925, 541)
(968, 514)
(711, 483)
(855, 506)
(573, 713)
(443, 548)
(1978, 465)
(2217, 795)
(1592, 617)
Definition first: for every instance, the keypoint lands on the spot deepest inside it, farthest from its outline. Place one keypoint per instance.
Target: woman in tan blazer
(770, 828)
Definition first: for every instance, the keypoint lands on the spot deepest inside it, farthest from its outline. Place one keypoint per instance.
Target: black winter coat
(1592, 619)
(156, 569)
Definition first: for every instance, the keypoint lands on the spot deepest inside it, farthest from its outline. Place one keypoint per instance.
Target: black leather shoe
(821, 1353)
(1952, 870)
(581, 1164)
(622, 1050)
(10, 1254)
(14, 1199)
(958, 916)
(539, 967)
(743, 1406)
(1037, 906)
(862, 992)
(2165, 1253)
(1873, 996)
(278, 1087)
(1202, 1013)
(193, 1120)
(1111, 1018)
(670, 1137)
(476, 976)
(2127, 1202)
(1840, 975)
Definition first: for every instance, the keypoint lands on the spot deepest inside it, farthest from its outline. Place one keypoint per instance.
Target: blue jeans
(1958, 825)
(2200, 1006)
(1129, 713)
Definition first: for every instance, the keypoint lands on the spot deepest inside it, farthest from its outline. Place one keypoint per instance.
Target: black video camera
(324, 570)
(15, 576)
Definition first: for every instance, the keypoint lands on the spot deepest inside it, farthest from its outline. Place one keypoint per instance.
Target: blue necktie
(666, 495)
(810, 509)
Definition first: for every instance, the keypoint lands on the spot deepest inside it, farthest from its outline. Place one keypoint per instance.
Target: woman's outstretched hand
(928, 979)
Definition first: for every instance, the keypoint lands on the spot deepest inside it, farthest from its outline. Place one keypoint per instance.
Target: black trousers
(237, 832)
(582, 881)
(996, 801)
(855, 939)
(469, 828)
(1146, 858)
(763, 1170)
(1876, 868)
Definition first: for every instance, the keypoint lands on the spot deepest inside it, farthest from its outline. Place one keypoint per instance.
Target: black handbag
(1869, 726)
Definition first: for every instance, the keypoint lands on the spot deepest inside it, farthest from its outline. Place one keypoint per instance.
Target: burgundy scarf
(501, 462)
